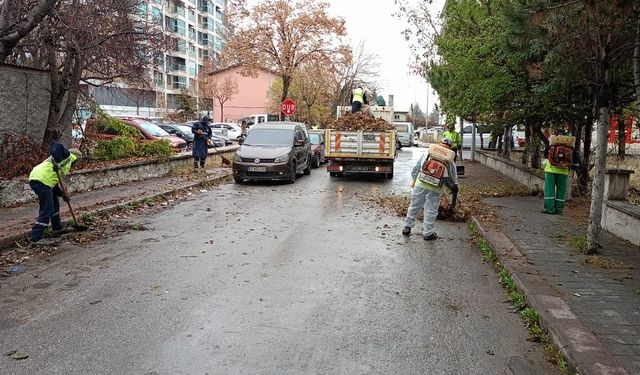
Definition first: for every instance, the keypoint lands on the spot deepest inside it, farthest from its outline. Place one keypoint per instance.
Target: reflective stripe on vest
(358, 95)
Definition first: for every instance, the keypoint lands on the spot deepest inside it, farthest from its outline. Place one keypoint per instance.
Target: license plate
(359, 168)
(257, 169)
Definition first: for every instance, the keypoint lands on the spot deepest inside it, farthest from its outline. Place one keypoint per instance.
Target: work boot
(406, 231)
(430, 237)
(46, 242)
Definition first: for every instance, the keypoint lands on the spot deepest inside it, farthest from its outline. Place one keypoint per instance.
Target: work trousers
(555, 192)
(427, 200)
(355, 107)
(49, 209)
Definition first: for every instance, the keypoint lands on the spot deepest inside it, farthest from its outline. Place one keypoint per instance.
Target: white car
(233, 130)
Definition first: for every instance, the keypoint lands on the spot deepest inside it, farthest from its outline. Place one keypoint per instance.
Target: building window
(179, 82)
(178, 26)
(192, 68)
(192, 15)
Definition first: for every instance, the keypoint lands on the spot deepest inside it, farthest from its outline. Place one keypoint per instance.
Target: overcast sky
(374, 23)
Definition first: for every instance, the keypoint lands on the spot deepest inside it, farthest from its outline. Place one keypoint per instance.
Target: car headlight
(282, 159)
(237, 158)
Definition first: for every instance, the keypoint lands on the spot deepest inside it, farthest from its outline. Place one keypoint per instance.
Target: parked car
(273, 151)
(466, 137)
(149, 131)
(220, 141)
(180, 131)
(317, 148)
(404, 134)
(233, 130)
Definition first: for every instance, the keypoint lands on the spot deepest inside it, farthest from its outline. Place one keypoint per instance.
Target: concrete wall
(622, 219)
(17, 190)
(531, 178)
(24, 100)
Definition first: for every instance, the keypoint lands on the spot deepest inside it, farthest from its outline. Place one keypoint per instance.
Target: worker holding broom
(43, 180)
(435, 169)
(202, 139)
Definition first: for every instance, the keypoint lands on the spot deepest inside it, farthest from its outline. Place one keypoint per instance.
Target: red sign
(288, 107)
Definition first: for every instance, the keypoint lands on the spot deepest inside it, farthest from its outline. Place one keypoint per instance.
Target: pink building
(252, 96)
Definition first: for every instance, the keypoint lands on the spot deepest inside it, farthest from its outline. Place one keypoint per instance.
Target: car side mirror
(299, 143)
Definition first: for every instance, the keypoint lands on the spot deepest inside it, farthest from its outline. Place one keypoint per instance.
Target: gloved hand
(66, 198)
(56, 167)
(454, 189)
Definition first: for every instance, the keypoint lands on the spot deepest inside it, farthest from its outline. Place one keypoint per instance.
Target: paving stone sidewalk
(15, 222)
(603, 291)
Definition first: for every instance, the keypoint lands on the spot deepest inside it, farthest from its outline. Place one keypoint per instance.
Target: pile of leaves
(360, 121)
(19, 153)
(399, 204)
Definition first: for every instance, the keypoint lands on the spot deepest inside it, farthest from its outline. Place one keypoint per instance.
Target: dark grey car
(273, 151)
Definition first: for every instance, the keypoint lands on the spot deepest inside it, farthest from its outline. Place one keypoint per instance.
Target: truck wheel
(388, 176)
(307, 170)
(333, 174)
(398, 146)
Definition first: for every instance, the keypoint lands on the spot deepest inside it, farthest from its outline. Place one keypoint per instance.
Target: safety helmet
(447, 142)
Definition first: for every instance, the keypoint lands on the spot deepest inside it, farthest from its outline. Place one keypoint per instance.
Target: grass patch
(579, 243)
(518, 301)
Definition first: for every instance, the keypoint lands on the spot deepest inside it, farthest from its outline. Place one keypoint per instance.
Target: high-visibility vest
(358, 95)
(548, 168)
(455, 138)
(44, 172)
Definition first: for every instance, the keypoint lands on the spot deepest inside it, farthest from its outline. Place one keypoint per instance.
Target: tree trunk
(636, 68)
(221, 111)
(597, 193)
(583, 170)
(507, 142)
(286, 83)
(537, 137)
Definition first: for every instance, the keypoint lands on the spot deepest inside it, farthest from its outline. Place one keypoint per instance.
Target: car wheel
(316, 161)
(307, 170)
(293, 170)
(238, 180)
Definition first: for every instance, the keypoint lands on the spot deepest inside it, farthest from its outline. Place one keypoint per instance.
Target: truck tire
(398, 146)
(238, 180)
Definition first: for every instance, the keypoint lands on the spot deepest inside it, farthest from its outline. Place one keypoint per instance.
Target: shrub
(118, 148)
(160, 147)
(19, 153)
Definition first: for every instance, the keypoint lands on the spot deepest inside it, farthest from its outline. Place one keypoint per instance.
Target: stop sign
(288, 107)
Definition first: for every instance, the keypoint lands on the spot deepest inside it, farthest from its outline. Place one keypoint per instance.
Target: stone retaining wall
(17, 190)
(529, 177)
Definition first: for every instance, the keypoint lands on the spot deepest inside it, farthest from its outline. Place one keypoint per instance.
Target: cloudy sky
(374, 23)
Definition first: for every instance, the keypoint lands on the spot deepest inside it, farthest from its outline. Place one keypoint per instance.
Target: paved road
(267, 279)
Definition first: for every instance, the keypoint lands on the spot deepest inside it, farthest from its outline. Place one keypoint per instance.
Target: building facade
(197, 28)
(252, 97)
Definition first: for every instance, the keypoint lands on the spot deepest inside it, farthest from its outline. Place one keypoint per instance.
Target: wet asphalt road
(268, 279)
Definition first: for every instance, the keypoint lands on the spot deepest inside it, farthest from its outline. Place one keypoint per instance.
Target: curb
(583, 350)
(11, 240)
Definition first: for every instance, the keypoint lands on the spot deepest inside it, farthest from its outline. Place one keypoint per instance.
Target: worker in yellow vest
(358, 98)
(455, 137)
(43, 180)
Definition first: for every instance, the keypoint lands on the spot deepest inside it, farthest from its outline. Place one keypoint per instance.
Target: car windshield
(402, 128)
(153, 129)
(270, 137)
(315, 138)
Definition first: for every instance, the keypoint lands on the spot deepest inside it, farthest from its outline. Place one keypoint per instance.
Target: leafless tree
(17, 19)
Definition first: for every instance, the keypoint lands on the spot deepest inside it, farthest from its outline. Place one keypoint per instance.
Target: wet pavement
(268, 279)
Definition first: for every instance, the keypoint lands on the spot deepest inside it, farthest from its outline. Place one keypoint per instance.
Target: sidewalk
(590, 305)
(16, 222)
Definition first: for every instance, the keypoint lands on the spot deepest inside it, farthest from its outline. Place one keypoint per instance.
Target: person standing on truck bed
(358, 98)
(429, 175)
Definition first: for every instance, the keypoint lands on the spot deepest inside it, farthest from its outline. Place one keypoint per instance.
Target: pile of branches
(19, 153)
(360, 121)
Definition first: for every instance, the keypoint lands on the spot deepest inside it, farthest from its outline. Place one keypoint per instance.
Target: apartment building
(198, 28)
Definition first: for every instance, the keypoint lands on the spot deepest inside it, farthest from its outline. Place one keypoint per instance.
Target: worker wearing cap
(43, 180)
(427, 197)
(358, 98)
